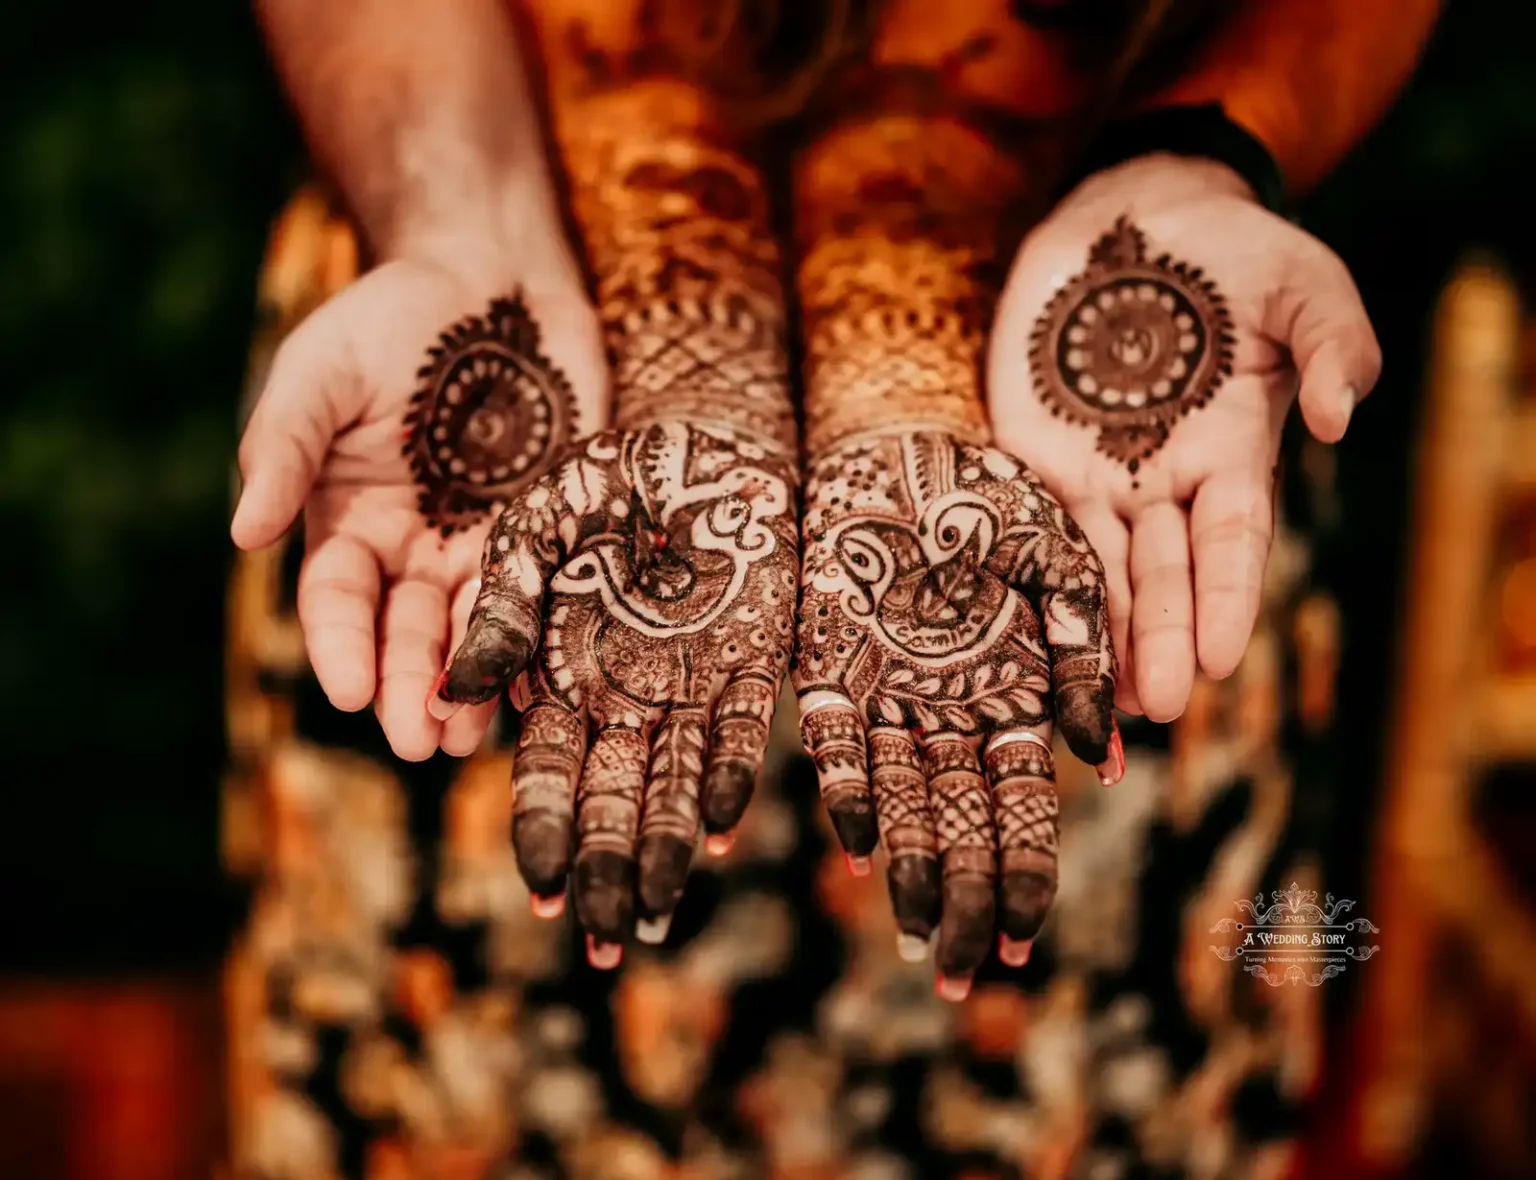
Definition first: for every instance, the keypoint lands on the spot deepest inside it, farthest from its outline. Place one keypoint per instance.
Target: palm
(1144, 358)
(670, 557)
(429, 400)
(945, 595)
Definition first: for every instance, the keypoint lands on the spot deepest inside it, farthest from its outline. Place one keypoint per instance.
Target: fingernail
(1348, 400)
(1112, 769)
(857, 865)
(604, 956)
(719, 844)
(653, 931)
(1013, 952)
(953, 988)
(911, 948)
(438, 706)
(547, 907)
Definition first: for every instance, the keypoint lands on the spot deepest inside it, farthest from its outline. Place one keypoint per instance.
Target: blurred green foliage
(144, 150)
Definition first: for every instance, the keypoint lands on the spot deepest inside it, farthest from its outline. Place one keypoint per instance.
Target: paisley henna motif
(1131, 345)
(491, 413)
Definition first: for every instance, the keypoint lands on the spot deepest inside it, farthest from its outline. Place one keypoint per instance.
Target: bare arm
(1308, 78)
(421, 112)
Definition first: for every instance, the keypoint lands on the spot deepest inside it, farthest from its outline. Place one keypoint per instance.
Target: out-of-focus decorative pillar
(1439, 888)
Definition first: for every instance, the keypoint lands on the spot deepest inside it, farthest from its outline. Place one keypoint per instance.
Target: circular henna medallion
(1131, 345)
(491, 413)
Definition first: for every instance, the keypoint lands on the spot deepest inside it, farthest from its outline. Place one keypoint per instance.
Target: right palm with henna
(952, 601)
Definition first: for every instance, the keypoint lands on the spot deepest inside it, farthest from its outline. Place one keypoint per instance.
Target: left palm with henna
(1147, 350)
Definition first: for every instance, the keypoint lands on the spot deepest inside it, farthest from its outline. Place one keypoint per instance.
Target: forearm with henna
(669, 543)
(950, 608)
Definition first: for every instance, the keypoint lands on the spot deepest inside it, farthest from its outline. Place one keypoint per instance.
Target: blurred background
(144, 154)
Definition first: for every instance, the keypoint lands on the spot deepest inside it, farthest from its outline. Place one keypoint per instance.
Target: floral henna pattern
(491, 413)
(670, 558)
(1131, 345)
(926, 562)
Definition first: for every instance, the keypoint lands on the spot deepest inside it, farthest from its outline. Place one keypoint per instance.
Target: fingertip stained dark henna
(1131, 344)
(490, 414)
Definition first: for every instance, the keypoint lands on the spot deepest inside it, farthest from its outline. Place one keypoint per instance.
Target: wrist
(499, 231)
(1202, 139)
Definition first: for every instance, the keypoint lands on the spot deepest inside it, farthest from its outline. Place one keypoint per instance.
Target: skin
(952, 614)
(427, 128)
(1176, 495)
(648, 582)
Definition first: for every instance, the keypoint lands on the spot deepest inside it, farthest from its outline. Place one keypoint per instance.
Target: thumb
(1320, 318)
(287, 438)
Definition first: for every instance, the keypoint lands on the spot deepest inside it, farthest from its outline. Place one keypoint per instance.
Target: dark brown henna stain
(490, 415)
(906, 829)
(1131, 345)
(1023, 778)
(834, 737)
(967, 842)
(544, 778)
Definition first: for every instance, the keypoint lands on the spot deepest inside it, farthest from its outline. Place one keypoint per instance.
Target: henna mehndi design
(951, 611)
(491, 413)
(920, 553)
(668, 546)
(1131, 345)
(670, 554)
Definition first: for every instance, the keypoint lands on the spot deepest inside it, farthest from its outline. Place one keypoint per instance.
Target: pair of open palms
(384, 597)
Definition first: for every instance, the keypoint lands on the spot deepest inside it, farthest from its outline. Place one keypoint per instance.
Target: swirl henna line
(1131, 345)
(490, 414)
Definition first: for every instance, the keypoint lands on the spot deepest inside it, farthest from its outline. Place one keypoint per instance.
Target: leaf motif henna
(490, 415)
(1131, 344)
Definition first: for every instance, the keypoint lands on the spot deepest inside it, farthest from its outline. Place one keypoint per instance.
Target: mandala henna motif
(1131, 345)
(491, 413)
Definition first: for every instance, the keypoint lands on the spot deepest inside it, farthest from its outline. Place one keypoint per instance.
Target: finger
(338, 599)
(1319, 316)
(1163, 620)
(833, 735)
(1022, 776)
(1231, 523)
(412, 633)
(669, 824)
(545, 772)
(737, 742)
(967, 840)
(1111, 540)
(503, 627)
(465, 729)
(907, 831)
(302, 406)
(608, 813)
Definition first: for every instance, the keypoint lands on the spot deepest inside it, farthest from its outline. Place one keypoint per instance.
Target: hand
(670, 553)
(401, 416)
(1144, 357)
(944, 593)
